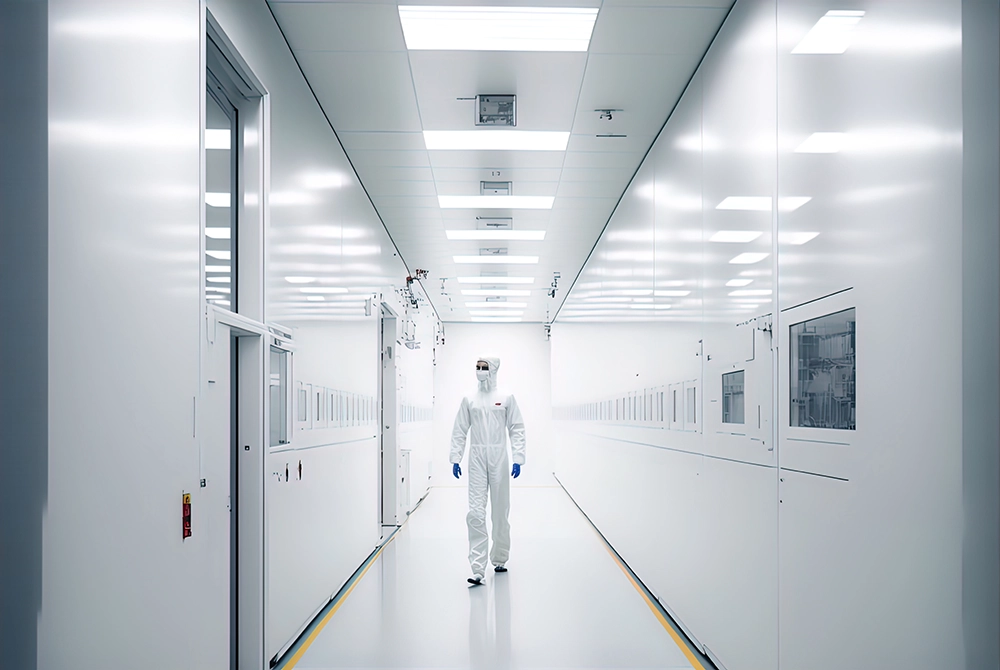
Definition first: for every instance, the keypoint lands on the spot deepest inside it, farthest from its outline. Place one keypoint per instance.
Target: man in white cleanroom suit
(487, 417)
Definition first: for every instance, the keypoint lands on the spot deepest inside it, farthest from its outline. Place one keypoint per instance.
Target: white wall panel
(323, 523)
(124, 263)
(875, 556)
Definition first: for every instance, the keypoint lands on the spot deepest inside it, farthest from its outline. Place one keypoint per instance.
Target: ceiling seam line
(562, 166)
(329, 122)
(644, 156)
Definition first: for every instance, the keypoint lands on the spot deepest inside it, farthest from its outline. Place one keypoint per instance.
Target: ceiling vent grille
(494, 223)
(494, 188)
(496, 110)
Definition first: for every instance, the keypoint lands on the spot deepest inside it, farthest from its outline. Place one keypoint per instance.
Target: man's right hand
(456, 470)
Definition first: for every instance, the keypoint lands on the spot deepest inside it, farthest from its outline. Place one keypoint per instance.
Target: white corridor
(564, 603)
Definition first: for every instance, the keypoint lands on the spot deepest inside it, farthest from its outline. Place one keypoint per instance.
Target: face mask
(482, 375)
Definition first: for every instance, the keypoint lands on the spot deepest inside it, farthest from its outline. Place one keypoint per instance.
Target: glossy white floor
(565, 603)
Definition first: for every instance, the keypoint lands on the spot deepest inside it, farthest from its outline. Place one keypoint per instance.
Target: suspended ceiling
(379, 98)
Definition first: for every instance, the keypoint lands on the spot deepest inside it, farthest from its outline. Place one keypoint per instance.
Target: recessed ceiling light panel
(497, 28)
(512, 292)
(526, 235)
(495, 140)
(513, 260)
(496, 280)
(496, 201)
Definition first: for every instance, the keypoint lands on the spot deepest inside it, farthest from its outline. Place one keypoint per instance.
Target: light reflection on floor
(563, 604)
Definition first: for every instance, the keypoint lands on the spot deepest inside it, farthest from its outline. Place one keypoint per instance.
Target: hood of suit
(490, 383)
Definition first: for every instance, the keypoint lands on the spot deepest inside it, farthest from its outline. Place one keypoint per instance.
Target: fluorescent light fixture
(822, 143)
(831, 34)
(496, 319)
(762, 203)
(218, 199)
(217, 138)
(218, 280)
(495, 140)
(748, 258)
(301, 280)
(497, 312)
(749, 203)
(219, 255)
(496, 201)
(671, 294)
(526, 235)
(497, 28)
(796, 238)
(503, 305)
(217, 268)
(648, 306)
(218, 233)
(752, 291)
(496, 280)
(739, 282)
(513, 260)
(315, 298)
(510, 292)
(736, 235)
(219, 302)
(323, 289)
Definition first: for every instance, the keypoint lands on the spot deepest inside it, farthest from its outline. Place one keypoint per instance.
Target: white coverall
(490, 415)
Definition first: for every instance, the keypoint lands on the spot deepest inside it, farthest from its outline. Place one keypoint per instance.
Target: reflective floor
(564, 603)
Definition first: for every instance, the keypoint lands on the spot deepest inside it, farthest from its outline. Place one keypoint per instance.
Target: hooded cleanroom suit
(487, 417)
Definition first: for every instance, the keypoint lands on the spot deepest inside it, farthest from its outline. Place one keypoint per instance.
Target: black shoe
(475, 581)
(499, 568)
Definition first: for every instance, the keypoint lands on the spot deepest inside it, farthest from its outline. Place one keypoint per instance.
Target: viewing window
(220, 189)
(822, 371)
(732, 397)
(278, 397)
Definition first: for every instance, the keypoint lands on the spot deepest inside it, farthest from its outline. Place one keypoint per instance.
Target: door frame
(254, 341)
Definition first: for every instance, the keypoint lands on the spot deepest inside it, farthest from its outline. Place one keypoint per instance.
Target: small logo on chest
(499, 404)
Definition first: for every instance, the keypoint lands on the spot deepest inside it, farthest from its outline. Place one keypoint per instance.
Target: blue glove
(456, 470)
(516, 471)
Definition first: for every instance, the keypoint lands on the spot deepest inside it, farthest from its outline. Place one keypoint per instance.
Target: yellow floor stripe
(681, 644)
(333, 610)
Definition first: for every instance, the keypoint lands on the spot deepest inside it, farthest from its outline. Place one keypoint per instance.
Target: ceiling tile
(546, 86)
(402, 188)
(496, 160)
(646, 87)
(373, 172)
(655, 30)
(630, 144)
(397, 141)
(363, 91)
(314, 26)
(603, 159)
(592, 189)
(390, 158)
(510, 174)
